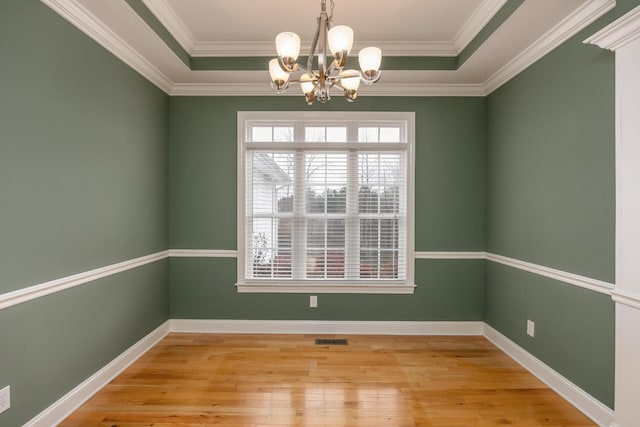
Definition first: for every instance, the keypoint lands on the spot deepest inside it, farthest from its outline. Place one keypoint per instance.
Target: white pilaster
(623, 37)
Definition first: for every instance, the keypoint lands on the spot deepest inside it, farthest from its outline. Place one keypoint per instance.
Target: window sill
(399, 288)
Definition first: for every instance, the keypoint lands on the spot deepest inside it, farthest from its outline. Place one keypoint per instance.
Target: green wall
(551, 201)
(450, 151)
(83, 184)
(99, 166)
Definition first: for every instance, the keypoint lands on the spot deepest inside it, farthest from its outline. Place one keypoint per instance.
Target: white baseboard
(327, 327)
(587, 404)
(68, 403)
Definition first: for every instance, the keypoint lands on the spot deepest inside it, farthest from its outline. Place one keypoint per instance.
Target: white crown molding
(76, 14)
(80, 17)
(32, 292)
(562, 276)
(580, 18)
(327, 327)
(71, 401)
(627, 298)
(619, 33)
(476, 22)
(261, 48)
(224, 89)
(203, 253)
(380, 89)
(583, 401)
(168, 17)
(450, 255)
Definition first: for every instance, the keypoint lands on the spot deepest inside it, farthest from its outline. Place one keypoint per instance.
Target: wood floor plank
(201, 380)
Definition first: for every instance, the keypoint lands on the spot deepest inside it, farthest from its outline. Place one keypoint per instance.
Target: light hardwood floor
(281, 380)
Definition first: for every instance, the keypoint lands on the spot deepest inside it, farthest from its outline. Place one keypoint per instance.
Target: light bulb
(306, 84)
(370, 59)
(288, 45)
(340, 39)
(352, 82)
(279, 77)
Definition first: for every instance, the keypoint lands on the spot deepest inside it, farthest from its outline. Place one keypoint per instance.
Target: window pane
(282, 264)
(388, 264)
(367, 199)
(368, 134)
(335, 233)
(336, 134)
(389, 134)
(389, 233)
(335, 264)
(314, 134)
(369, 229)
(316, 233)
(316, 263)
(262, 250)
(368, 264)
(282, 133)
(325, 182)
(272, 182)
(262, 133)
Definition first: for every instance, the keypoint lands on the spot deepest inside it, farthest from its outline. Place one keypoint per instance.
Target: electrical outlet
(531, 328)
(5, 399)
(313, 301)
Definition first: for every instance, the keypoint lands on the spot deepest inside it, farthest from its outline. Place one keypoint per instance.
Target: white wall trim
(579, 19)
(68, 403)
(262, 48)
(170, 20)
(619, 33)
(264, 288)
(562, 276)
(450, 255)
(80, 17)
(627, 298)
(327, 327)
(476, 22)
(583, 401)
(203, 253)
(382, 89)
(32, 292)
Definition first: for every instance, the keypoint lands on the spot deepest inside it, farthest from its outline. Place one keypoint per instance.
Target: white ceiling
(225, 28)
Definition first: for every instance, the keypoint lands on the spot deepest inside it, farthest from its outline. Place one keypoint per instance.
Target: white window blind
(326, 199)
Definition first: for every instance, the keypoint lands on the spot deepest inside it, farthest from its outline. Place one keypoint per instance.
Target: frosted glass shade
(288, 45)
(370, 59)
(340, 39)
(306, 83)
(350, 83)
(278, 75)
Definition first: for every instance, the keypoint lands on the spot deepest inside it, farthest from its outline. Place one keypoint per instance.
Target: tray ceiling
(430, 47)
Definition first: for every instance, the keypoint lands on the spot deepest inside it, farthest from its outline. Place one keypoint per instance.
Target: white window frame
(407, 286)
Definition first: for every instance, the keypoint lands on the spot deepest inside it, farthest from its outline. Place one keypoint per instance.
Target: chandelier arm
(314, 45)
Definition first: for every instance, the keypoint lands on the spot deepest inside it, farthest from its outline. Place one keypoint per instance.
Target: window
(325, 202)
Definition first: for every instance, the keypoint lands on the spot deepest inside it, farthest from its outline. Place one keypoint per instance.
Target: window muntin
(326, 201)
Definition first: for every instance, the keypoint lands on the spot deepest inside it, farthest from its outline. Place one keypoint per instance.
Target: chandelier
(316, 84)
